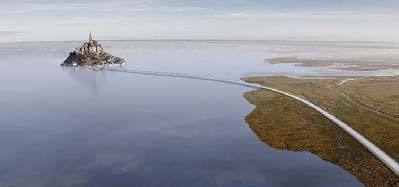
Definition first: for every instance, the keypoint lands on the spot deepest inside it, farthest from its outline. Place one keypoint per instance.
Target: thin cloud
(8, 33)
(235, 19)
(305, 15)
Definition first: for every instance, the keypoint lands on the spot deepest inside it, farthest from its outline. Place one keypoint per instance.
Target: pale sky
(61, 20)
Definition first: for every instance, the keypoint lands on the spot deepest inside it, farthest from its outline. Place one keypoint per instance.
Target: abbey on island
(91, 53)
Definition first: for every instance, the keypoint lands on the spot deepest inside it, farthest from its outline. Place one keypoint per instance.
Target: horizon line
(243, 40)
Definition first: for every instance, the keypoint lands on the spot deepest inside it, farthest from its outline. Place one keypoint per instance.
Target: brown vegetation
(285, 123)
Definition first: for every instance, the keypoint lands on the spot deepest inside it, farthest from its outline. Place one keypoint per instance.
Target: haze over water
(76, 127)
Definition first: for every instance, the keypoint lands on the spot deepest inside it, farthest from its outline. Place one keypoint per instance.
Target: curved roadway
(381, 155)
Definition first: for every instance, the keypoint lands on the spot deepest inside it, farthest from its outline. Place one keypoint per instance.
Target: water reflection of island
(89, 79)
(286, 124)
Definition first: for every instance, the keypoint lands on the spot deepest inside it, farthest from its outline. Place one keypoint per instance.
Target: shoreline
(287, 124)
(325, 94)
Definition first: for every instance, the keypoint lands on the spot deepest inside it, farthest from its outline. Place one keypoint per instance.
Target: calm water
(76, 127)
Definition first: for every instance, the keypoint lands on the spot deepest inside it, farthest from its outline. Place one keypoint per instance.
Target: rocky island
(91, 53)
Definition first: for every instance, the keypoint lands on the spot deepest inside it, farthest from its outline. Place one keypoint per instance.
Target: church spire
(90, 38)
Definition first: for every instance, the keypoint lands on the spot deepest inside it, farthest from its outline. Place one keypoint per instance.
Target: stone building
(92, 47)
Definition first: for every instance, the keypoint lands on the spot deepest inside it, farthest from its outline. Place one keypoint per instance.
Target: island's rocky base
(77, 59)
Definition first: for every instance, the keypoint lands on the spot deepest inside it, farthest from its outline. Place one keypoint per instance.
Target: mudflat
(356, 64)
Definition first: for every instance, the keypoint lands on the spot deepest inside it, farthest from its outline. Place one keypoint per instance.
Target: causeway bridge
(376, 151)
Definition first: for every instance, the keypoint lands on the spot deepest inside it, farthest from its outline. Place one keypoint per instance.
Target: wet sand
(359, 64)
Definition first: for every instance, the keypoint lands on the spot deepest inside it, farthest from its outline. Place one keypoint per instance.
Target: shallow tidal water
(76, 127)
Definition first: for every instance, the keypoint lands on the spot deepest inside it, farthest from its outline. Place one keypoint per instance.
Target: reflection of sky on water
(65, 127)
(226, 59)
(234, 59)
(174, 134)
